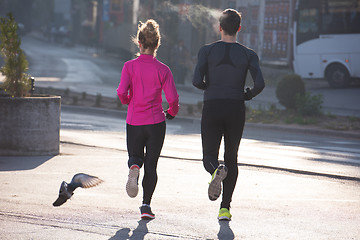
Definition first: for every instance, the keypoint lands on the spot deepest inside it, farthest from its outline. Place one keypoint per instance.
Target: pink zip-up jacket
(142, 81)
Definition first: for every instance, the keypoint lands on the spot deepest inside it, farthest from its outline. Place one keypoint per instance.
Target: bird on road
(79, 180)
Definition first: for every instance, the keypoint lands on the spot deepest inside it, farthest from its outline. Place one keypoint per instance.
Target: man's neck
(228, 38)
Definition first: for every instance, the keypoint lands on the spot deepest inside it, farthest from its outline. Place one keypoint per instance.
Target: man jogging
(221, 72)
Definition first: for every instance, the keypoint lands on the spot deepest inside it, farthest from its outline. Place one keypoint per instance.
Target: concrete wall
(29, 126)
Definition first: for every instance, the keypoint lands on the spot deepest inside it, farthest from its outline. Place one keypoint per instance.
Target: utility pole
(134, 22)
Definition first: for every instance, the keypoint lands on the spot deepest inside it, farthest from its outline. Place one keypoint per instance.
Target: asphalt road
(279, 148)
(268, 203)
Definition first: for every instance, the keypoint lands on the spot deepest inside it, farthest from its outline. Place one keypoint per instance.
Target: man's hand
(248, 94)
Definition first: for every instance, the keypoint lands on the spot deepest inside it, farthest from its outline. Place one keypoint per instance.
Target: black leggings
(150, 137)
(222, 118)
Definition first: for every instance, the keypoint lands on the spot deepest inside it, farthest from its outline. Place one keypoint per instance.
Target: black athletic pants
(222, 118)
(150, 137)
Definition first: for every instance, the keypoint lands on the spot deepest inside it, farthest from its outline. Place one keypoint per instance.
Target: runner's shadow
(138, 234)
(225, 232)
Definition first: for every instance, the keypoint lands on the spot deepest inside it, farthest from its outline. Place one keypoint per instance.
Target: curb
(294, 129)
(282, 169)
(94, 111)
(303, 172)
(305, 130)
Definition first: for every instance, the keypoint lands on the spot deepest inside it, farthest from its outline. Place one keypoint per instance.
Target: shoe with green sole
(224, 214)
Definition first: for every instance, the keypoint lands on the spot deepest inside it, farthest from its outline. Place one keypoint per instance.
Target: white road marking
(341, 142)
(296, 142)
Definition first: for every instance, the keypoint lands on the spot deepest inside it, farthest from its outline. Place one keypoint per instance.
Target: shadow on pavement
(17, 163)
(225, 232)
(138, 234)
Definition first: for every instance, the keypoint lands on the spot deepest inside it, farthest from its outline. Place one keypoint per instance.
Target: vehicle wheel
(337, 76)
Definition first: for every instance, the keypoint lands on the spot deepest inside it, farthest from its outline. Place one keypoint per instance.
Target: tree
(17, 82)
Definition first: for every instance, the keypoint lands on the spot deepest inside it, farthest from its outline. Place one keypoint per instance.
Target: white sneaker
(132, 187)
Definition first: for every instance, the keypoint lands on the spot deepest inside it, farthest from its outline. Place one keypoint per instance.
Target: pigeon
(79, 180)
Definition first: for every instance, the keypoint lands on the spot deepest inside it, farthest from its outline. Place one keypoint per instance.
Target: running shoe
(146, 213)
(218, 176)
(132, 188)
(224, 214)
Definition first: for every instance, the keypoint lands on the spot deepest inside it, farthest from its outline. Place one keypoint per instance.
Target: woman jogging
(142, 81)
(221, 71)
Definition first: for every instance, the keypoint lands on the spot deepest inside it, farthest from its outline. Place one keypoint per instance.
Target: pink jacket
(141, 85)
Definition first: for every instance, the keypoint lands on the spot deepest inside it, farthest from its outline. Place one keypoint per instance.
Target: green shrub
(75, 100)
(17, 82)
(118, 102)
(200, 105)
(66, 92)
(288, 88)
(98, 100)
(309, 105)
(83, 95)
(190, 109)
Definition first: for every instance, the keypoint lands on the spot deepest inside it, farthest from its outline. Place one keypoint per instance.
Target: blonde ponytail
(148, 35)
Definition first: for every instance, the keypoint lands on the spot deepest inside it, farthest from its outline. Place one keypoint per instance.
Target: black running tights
(222, 118)
(150, 137)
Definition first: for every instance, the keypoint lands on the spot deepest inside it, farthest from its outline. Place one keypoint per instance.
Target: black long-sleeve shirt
(221, 71)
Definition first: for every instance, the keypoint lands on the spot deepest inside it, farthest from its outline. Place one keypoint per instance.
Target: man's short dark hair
(230, 21)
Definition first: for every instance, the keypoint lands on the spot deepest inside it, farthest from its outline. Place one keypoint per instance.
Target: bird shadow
(225, 232)
(137, 234)
(10, 163)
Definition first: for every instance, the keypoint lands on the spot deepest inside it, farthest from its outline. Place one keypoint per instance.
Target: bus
(326, 41)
